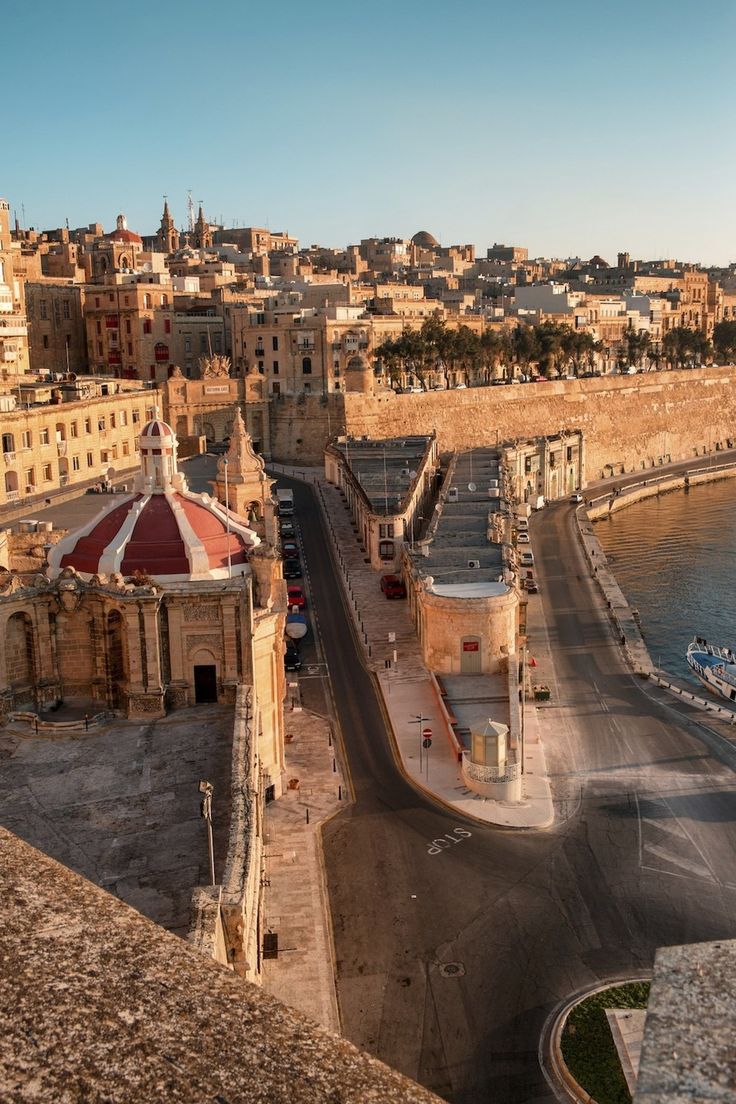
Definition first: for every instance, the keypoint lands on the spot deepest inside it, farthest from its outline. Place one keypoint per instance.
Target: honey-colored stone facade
(59, 445)
(628, 422)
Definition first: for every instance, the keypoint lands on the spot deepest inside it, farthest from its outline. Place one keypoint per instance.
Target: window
(275, 367)
(73, 430)
(187, 345)
(126, 448)
(99, 348)
(97, 300)
(386, 550)
(8, 442)
(260, 366)
(164, 300)
(218, 343)
(112, 421)
(90, 460)
(123, 417)
(275, 344)
(147, 326)
(147, 301)
(306, 366)
(99, 326)
(130, 348)
(87, 425)
(167, 325)
(65, 309)
(47, 473)
(43, 436)
(126, 300)
(42, 309)
(203, 343)
(45, 341)
(386, 530)
(136, 417)
(127, 325)
(30, 474)
(101, 424)
(75, 463)
(26, 438)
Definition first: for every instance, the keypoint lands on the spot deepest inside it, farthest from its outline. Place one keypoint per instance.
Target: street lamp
(206, 789)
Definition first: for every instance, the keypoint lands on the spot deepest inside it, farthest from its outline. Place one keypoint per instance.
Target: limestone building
(165, 599)
(55, 443)
(14, 361)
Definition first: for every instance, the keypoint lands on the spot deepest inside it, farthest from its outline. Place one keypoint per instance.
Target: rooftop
(460, 538)
(385, 469)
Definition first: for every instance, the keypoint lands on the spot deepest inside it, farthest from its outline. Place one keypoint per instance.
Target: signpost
(427, 743)
(424, 735)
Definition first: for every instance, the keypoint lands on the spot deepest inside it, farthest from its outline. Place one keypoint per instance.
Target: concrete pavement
(386, 630)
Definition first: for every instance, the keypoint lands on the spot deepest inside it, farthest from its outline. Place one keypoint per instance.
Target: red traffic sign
(427, 742)
(427, 733)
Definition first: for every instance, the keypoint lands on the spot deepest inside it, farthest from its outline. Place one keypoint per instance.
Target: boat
(715, 667)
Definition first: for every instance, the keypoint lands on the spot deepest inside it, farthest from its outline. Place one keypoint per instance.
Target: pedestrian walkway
(296, 906)
(392, 651)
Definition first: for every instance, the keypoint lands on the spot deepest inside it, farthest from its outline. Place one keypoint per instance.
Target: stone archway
(20, 659)
(115, 658)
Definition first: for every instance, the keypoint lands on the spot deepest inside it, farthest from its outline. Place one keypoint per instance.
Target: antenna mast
(190, 212)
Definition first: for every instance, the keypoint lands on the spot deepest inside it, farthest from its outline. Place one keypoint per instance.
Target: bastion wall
(629, 422)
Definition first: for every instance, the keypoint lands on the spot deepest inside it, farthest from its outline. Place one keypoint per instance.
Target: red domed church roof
(122, 233)
(163, 530)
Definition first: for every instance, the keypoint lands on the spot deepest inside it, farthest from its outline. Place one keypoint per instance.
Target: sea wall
(629, 422)
(613, 501)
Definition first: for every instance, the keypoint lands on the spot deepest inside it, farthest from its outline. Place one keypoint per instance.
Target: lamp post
(206, 789)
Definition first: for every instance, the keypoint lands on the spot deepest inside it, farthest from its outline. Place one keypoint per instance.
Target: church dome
(425, 240)
(122, 233)
(163, 530)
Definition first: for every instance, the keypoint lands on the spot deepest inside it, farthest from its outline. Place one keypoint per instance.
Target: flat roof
(461, 536)
(385, 469)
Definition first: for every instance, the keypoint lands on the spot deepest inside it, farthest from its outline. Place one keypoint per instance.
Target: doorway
(470, 656)
(205, 683)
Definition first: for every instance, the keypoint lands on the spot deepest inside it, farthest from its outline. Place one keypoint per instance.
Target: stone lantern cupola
(242, 482)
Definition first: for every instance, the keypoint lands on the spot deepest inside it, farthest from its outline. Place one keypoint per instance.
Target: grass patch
(588, 1047)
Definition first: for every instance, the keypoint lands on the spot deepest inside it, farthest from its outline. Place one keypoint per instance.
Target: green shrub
(588, 1047)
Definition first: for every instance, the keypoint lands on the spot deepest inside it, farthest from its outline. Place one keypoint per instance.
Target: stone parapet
(98, 1003)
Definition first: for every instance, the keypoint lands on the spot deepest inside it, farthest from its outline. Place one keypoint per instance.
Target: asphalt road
(449, 963)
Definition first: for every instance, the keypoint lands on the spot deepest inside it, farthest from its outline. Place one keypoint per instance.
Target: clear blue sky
(572, 127)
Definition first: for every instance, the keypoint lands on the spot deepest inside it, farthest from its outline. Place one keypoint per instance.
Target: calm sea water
(675, 559)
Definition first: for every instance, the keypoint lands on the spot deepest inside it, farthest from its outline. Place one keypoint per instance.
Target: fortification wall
(629, 422)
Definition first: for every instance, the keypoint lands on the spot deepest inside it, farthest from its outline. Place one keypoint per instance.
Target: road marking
(457, 835)
(695, 868)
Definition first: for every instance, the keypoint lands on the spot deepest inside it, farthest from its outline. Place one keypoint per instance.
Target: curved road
(449, 963)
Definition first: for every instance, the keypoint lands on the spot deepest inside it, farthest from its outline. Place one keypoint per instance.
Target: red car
(296, 597)
(392, 586)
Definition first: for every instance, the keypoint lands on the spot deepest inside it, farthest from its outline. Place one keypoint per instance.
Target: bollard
(329, 738)
(86, 722)
(369, 651)
(307, 811)
(334, 767)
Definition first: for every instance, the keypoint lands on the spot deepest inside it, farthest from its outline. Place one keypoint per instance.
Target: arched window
(306, 366)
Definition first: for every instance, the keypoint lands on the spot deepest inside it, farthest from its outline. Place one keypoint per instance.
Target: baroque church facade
(167, 598)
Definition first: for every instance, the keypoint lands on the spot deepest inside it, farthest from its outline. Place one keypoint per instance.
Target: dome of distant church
(425, 240)
(122, 233)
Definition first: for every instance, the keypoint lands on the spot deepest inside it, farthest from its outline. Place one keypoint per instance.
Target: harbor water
(674, 557)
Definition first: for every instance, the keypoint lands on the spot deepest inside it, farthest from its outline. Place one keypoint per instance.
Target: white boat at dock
(715, 667)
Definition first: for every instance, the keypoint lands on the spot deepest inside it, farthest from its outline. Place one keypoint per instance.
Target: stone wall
(628, 421)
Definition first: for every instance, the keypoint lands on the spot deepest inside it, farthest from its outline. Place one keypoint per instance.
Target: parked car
(292, 569)
(576, 498)
(290, 548)
(527, 559)
(522, 537)
(292, 659)
(287, 528)
(531, 587)
(392, 586)
(296, 597)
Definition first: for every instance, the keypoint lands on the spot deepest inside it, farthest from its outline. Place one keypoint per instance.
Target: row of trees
(549, 349)
(436, 350)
